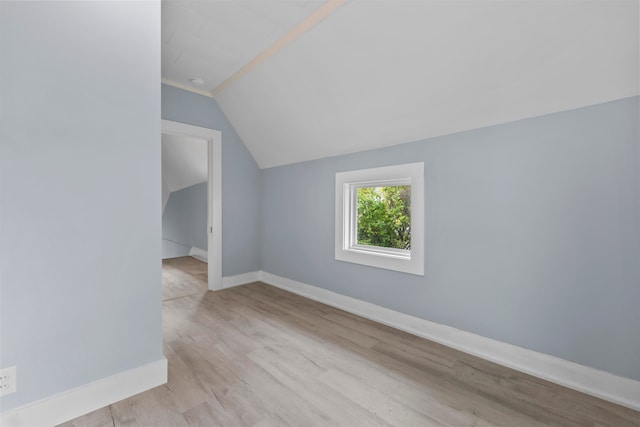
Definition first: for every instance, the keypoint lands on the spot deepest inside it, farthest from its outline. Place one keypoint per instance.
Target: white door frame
(214, 194)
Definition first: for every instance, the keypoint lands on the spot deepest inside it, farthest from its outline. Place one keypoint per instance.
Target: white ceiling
(379, 73)
(212, 39)
(184, 161)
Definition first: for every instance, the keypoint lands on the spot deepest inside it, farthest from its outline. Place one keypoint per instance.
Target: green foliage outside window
(384, 216)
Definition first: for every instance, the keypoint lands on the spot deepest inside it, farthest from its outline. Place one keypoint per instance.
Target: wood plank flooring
(183, 276)
(258, 356)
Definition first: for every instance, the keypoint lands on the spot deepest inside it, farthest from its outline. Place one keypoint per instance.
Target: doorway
(176, 131)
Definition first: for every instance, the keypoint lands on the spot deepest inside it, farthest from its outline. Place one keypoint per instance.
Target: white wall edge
(601, 384)
(74, 403)
(240, 279)
(200, 254)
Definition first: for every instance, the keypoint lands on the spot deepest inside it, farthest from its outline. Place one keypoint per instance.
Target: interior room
(185, 173)
(320, 213)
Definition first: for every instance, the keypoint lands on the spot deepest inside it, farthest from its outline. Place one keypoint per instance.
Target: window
(380, 219)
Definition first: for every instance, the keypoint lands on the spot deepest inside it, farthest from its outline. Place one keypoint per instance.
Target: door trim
(214, 194)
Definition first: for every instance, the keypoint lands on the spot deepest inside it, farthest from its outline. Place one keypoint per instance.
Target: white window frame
(346, 246)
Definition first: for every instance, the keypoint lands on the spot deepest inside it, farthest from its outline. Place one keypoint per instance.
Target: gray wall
(531, 233)
(80, 140)
(240, 179)
(184, 219)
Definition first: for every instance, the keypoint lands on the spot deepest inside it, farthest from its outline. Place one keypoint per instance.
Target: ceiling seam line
(186, 87)
(308, 23)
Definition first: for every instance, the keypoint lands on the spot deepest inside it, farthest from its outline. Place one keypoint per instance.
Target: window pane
(384, 216)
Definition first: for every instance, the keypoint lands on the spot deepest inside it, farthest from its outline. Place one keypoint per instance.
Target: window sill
(401, 263)
(378, 251)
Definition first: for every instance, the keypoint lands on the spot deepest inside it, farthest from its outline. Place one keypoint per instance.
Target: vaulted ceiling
(301, 80)
(184, 161)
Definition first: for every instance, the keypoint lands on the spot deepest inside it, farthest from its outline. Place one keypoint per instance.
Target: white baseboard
(619, 390)
(71, 404)
(240, 279)
(172, 249)
(200, 254)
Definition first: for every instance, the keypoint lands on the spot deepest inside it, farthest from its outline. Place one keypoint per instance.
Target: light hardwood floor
(255, 355)
(183, 276)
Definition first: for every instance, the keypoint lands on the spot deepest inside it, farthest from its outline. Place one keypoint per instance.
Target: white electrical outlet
(7, 380)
